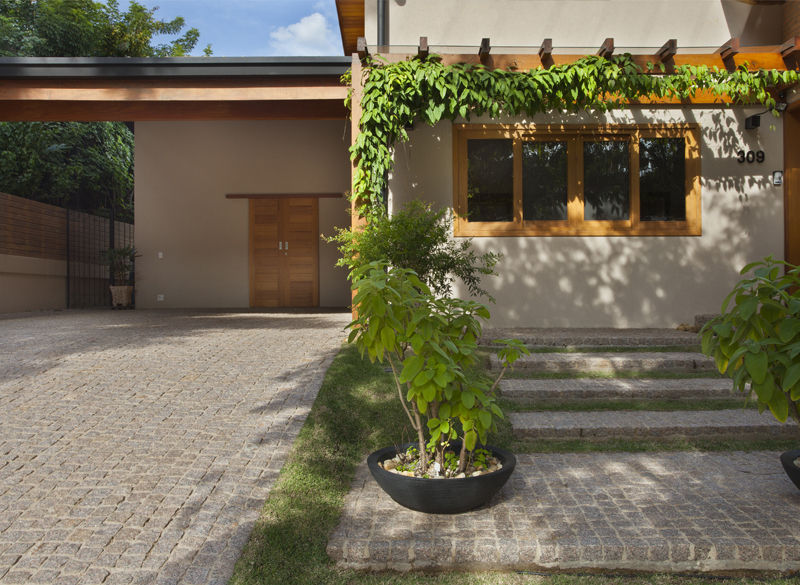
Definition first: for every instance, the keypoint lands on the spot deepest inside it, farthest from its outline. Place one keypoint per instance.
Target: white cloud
(312, 35)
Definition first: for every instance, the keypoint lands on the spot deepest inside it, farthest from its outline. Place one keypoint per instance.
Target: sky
(245, 28)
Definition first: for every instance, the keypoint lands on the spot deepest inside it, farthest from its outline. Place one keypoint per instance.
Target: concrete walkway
(139, 447)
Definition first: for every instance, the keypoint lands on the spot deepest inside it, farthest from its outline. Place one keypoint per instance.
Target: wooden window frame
(575, 224)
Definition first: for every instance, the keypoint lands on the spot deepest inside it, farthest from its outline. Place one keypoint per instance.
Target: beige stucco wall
(576, 23)
(183, 172)
(626, 281)
(31, 284)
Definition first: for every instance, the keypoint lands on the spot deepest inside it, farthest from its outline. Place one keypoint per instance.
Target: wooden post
(357, 86)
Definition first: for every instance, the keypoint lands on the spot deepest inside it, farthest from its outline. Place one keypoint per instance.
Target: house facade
(635, 217)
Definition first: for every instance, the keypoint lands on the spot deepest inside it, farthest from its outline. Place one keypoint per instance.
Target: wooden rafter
(668, 50)
(546, 52)
(607, 48)
(422, 49)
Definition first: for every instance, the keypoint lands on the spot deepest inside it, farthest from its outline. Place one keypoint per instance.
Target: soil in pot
(441, 495)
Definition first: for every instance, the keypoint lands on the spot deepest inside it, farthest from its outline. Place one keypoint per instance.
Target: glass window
(544, 180)
(490, 191)
(606, 177)
(577, 180)
(662, 179)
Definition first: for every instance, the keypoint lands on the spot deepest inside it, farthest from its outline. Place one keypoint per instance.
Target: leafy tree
(86, 165)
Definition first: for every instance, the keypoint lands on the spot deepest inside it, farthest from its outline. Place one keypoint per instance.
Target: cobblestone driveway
(138, 447)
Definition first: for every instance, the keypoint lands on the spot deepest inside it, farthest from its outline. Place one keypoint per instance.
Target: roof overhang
(190, 88)
(351, 23)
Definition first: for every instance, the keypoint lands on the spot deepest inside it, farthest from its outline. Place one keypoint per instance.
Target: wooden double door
(284, 252)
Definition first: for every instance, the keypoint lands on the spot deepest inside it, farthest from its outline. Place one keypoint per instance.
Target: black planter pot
(440, 496)
(787, 459)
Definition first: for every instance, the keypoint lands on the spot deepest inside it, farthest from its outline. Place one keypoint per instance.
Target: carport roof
(105, 67)
(178, 88)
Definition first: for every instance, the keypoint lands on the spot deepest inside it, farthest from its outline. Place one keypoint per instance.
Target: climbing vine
(395, 95)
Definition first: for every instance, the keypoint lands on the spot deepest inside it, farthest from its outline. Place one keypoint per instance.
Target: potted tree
(430, 343)
(756, 342)
(120, 261)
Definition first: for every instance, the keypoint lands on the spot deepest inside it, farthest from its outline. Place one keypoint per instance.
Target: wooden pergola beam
(422, 49)
(762, 57)
(728, 51)
(668, 50)
(361, 48)
(546, 52)
(485, 48)
(790, 51)
(607, 48)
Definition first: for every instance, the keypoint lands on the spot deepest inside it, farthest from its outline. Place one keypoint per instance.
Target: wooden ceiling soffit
(351, 23)
(171, 90)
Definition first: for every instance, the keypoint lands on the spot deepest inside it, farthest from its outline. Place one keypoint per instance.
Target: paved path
(715, 512)
(139, 446)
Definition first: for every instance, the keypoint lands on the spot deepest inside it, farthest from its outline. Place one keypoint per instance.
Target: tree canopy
(86, 165)
(83, 28)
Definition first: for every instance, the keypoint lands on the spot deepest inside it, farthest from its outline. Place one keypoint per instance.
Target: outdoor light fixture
(777, 178)
(753, 121)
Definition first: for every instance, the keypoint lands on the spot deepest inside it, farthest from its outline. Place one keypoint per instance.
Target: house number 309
(750, 156)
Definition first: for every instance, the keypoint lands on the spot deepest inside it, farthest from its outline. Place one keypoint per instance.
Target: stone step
(719, 424)
(540, 391)
(592, 337)
(610, 362)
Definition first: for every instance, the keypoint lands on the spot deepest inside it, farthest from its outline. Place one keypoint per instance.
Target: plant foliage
(756, 339)
(430, 344)
(418, 238)
(395, 95)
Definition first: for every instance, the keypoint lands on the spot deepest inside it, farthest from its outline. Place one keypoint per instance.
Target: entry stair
(631, 367)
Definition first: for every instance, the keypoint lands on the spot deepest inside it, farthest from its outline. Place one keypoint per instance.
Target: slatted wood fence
(38, 230)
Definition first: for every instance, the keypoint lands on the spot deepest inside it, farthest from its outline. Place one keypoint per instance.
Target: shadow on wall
(633, 281)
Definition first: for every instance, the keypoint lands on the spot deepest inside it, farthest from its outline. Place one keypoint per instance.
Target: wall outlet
(159, 298)
(161, 255)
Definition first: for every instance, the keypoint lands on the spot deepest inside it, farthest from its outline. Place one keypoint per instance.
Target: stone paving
(685, 512)
(139, 446)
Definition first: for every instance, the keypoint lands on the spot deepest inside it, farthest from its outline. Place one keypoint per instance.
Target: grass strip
(695, 348)
(653, 446)
(356, 412)
(520, 374)
(589, 405)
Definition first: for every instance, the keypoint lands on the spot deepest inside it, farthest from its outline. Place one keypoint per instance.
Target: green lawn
(357, 411)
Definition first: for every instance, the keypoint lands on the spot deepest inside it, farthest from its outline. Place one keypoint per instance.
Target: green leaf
(779, 406)
(756, 364)
(485, 418)
(791, 376)
(468, 399)
(470, 439)
(411, 367)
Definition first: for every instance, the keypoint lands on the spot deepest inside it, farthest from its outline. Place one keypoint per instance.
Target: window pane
(662, 179)
(490, 184)
(606, 180)
(544, 180)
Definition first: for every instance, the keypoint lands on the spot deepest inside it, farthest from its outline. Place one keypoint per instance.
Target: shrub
(756, 338)
(430, 344)
(417, 238)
